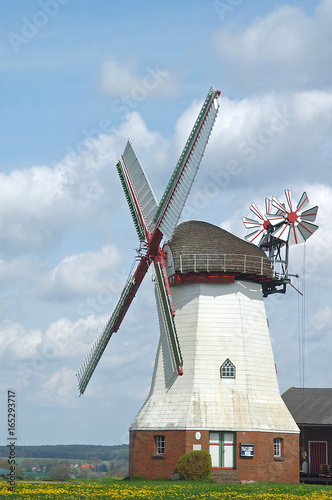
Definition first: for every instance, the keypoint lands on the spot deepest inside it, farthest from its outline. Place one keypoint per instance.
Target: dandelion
(153, 490)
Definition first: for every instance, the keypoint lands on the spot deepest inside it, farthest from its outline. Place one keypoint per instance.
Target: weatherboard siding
(215, 322)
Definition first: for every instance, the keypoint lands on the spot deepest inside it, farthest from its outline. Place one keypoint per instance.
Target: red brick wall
(143, 460)
(263, 466)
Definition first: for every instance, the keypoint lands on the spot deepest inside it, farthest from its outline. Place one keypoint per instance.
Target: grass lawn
(113, 489)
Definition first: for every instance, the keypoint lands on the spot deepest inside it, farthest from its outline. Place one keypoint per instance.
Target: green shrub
(59, 472)
(195, 465)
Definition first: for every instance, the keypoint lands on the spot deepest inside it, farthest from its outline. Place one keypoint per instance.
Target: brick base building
(148, 460)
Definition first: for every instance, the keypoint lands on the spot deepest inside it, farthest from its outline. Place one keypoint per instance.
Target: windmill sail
(310, 214)
(261, 226)
(293, 226)
(288, 224)
(176, 193)
(152, 223)
(257, 237)
(139, 194)
(169, 341)
(90, 362)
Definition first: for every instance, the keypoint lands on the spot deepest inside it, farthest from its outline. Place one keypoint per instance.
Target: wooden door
(317, 456)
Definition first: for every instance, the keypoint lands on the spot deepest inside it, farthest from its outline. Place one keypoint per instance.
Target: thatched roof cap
(201, 238)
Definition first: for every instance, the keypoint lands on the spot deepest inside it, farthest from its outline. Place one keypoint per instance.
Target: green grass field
(111, 489)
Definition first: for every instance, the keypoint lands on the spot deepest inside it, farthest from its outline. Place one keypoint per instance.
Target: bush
(195, 465)
(60, 472)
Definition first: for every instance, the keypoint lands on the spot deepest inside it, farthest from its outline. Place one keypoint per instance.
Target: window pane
(277, 447)
(160, 445)
(228, 457)
(228, 437)
(214, 437)
(215, 455)
(228, 369)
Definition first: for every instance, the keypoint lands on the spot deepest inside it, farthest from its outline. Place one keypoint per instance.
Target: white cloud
(322, 320)
(60, 387)
(20, 342)
(62, 339)
(275, 39)
(153, 144)
(259, 147)
(253, 126)
(86, 273)
(310, 106)
(125, 81)
(71, 339)
(18, 270)
(41, 204)
(316, 264)
(276, 50)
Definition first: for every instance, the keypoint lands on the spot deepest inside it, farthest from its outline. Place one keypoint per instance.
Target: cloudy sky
(78, 77)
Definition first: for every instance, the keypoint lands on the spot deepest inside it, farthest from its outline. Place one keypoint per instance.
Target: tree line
(71, 451)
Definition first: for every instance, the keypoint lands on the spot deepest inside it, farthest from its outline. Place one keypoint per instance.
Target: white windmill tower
(209, 299)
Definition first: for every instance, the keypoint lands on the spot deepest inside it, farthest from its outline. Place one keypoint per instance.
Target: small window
(277, 447)
(227, 369)
(160, 445)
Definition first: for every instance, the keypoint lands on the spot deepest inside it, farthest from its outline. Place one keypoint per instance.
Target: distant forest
(71, 451)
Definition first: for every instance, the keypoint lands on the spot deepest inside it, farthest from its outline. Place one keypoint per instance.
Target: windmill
(154, 222)
(275, 231)
(209, 286)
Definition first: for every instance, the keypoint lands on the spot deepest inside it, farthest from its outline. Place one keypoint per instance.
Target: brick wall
(263, 466)
(143, 458)
(144, 461)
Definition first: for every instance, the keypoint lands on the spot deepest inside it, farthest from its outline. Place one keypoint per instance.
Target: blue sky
(77, 79)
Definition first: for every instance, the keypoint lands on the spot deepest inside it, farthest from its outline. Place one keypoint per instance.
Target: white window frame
(160, 444)
(277, 444)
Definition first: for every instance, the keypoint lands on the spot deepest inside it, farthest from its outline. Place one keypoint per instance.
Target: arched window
(227, 369)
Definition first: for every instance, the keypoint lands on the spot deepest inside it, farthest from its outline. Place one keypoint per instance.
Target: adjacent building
(312, 411)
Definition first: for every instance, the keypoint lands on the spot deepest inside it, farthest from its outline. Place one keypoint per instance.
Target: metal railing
(246, 264)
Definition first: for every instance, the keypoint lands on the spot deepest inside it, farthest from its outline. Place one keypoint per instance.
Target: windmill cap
(198, 246)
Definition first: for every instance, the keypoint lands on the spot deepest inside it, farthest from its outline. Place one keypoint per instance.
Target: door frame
(221, 444)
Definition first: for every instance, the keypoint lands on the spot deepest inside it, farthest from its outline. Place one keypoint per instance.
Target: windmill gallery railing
(244, 264)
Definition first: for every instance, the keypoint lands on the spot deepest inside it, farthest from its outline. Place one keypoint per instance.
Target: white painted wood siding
(215, 322)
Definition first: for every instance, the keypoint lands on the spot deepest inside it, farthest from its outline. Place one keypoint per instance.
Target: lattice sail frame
(172, 356)
(178, 188)
(153, 223)
(140, 197)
